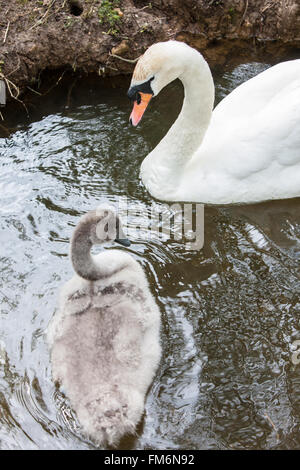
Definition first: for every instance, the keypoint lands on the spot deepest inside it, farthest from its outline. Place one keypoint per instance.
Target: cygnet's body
(104, 338)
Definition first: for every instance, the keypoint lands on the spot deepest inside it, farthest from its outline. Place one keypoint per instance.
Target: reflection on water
(230, 311)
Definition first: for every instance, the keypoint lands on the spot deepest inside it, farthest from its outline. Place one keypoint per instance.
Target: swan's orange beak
(139, 108)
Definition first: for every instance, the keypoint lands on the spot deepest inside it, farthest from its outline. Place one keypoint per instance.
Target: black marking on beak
(123, 241)
(133, 92)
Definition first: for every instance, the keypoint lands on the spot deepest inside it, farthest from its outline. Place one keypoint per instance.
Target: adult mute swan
(104, 338)
(245, 150)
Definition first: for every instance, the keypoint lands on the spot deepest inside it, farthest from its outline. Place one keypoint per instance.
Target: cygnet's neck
(94, 267)
(163, 167)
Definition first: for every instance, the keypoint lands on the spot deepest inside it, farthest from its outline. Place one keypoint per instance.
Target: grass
(108, 14)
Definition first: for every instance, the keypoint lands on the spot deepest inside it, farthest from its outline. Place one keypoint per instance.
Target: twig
(273, 426)
(55, 84)
(144, 8)
(11, 86)
(244, 14)
(266, 8)
(160, 18)
(112, 68)
(44, 15)
(86, 15)
(1, 115)
(14, 70)
(131, 61)
(34, 91)
(6, 31)
(67, 105)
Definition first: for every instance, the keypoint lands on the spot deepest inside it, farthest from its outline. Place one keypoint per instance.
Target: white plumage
(245, 150)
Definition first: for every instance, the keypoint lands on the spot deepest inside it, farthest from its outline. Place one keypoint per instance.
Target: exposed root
(13, 90)
(34, 91)
(131, 61)
(244, 14)
(55, 84)
(6, 32)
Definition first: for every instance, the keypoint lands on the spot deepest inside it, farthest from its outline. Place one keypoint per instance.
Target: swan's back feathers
(256, 155)
(252, 96)
(259, 120)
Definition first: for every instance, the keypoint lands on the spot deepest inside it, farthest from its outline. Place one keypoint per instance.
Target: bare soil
(39, 35)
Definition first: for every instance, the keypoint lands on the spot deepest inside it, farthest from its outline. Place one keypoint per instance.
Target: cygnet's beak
(123, 241)
(121, 238)
(139, 108)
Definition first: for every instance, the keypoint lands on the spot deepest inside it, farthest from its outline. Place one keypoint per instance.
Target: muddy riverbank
(80, 35)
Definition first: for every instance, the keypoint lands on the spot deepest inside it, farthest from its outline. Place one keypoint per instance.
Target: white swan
(104, 338)
(246, 150)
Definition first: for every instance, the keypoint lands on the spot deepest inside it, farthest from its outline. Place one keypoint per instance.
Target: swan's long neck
(163, 167)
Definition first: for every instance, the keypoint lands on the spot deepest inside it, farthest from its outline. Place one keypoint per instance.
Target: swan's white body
(104, 339)
(245, 150)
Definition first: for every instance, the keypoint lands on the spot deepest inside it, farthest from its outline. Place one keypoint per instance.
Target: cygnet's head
(94, 228)
(162, 63)
(101, 225)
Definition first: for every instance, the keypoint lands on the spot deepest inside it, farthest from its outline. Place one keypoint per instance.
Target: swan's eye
(138, 97)
(135, 92)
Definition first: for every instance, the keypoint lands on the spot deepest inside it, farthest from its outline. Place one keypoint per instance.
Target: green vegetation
(232, 13)
(108, 14)
(68, 21)
(145, 28)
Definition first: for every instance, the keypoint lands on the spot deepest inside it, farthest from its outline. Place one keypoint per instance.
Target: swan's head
(100, 226)
(162, 63)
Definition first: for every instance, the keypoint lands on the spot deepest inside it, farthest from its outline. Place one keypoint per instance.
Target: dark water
(230, 312)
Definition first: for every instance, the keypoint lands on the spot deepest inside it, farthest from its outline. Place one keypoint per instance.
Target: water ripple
(230, 312)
